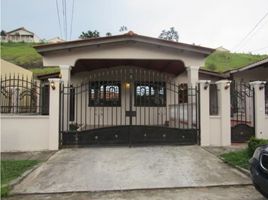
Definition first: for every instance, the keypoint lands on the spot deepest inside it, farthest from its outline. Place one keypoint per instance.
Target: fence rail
(23, 95)
(266, 98)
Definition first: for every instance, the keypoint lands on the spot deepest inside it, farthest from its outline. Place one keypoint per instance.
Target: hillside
(223, 61)
(24, 54)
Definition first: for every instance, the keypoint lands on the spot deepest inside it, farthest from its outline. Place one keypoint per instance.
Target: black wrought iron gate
(128, 106)
(242, 112)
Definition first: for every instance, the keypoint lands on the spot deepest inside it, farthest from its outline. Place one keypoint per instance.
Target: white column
(224, 111)
(259, 91)
(54, 103)
(204, 112)
(192, 75)
(65, 71)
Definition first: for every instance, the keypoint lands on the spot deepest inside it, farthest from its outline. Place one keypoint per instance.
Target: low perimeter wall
(24, 133)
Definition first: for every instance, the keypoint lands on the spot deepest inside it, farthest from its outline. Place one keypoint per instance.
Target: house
(112, 83)
(222, 49)
(20, 35)
(55, 40)
(132, 90)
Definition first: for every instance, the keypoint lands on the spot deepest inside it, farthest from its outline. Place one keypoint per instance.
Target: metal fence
(213, 100)
(266, 98)
(23, 95)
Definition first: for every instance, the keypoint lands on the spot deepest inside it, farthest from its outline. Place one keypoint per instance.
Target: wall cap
(204, 81)
(223, 81)
(257, 83)
(14, 116)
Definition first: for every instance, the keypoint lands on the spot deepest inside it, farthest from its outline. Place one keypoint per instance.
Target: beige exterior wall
(7, 69)
(122, 51)
(257, 74)
(24, 133)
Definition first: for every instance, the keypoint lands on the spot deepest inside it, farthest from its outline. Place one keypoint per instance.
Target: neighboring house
(222, 49)
(9, 69)
(20, 35)
(257, 71)
(55, 40)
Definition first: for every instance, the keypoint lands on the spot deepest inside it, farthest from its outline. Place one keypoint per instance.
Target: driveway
(123, 168)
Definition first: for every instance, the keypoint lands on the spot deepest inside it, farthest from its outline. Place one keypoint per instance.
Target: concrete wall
(24, 133)
(7, 68)
(214, 130)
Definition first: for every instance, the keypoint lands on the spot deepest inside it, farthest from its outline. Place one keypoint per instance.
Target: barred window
(150, 94)
(105, 93)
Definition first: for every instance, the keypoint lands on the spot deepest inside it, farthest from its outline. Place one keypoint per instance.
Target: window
(105, 93)
(183, 93)
(150, 94)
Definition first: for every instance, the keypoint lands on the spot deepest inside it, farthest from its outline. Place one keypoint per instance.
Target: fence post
(204, 112)
(259, 108)
(54, 103)
(224, 111)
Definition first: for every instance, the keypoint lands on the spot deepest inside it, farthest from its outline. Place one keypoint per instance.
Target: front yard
(11, 169)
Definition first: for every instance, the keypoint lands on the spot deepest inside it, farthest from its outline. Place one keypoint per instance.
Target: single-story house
(20, 35)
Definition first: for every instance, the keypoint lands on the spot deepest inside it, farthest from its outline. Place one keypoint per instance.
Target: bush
(254, 143)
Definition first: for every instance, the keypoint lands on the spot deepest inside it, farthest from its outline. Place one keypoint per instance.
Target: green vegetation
(240, 158)
(254, 143)
(237, 158)
(11, 169)
(22, 54)
(224, 61)
(45, 70)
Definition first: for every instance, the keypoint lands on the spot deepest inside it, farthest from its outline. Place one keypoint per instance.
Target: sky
(210, 23)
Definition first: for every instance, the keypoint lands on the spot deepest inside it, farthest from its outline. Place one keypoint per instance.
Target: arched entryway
(128, 102)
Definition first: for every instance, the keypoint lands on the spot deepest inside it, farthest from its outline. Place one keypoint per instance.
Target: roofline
(212, 73)
(20, 29)
(252, 65)
(130, 36)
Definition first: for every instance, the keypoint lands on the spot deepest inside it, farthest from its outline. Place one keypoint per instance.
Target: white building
(20, 35)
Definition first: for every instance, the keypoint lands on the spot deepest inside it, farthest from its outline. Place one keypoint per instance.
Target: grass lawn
(223, 61)
(11, 169)
(238, 158)
(22, 54)
(45, 70)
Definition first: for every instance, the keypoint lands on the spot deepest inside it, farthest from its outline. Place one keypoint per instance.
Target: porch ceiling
(175, 67)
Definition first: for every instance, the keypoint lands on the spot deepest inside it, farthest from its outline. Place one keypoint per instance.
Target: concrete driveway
(123, 168)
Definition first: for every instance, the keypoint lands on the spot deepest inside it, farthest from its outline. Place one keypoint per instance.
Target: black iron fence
(23, 95)
(213, 99)
(266, 98)
(128, 104)
(242, 111)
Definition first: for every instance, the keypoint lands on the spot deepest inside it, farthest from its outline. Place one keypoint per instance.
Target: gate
(128, 106)
(242, 112)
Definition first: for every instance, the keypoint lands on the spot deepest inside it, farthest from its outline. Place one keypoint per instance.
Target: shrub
(254, 143)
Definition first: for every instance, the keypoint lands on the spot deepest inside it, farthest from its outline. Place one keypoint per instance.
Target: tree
(3, 33)
(122, 29)
(170, 34)
(89, 34)
(108, 34)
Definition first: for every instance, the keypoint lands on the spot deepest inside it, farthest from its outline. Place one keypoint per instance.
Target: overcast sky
(209, 23)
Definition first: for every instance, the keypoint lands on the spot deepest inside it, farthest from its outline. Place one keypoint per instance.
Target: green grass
(11, 169)
(237, 158)
(224, 61)
(45, 70)
(22, 54)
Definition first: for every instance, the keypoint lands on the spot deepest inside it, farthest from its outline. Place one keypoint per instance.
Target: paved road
(214, 193)
(105, 169)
